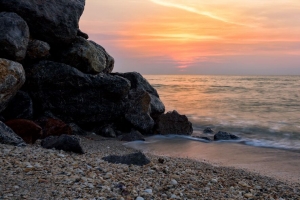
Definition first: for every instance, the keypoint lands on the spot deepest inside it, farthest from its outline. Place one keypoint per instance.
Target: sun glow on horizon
(188, 33)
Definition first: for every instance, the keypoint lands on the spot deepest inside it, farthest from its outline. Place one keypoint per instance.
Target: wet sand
(283, 165)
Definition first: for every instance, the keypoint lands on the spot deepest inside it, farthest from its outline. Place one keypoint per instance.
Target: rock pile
(69, 78)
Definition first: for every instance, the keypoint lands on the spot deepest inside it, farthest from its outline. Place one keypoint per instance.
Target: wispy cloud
(196, 11)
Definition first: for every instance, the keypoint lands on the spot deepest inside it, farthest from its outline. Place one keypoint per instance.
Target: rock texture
(53, 21)
(133, 135)
(174, 123)
(20, 107)
(8, 136)
(131, 159)
(14, 36)
(76, 97)
(26, 129)
(12, 77)
(63, 142)
(37, 49)
(87, 56)
(225, 136)
(54, 127)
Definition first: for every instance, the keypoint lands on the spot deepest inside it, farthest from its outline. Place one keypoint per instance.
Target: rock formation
(70, 78)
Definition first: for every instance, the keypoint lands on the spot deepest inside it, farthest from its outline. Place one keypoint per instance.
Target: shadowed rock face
(63, 142)
(20, 107)
(37, 50)
(174, 123)
(26, 129)
(76, 97)
(87, 56)
(8, 136)
(12, 77)
(53, 21)
(54, 127)
(14, 36)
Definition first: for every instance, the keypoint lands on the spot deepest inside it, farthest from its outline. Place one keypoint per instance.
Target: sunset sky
(234, 37)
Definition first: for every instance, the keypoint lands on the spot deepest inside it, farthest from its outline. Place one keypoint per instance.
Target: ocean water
(263, 110)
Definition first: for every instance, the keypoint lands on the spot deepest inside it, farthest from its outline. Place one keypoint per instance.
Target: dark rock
(54, 127)
(138, 82)
(134, 135)
(138, 111)
(208, 130)
(63, 142)
(14, 36)
(53, 21)
(106, 131)
(20, 107)
(87, 56)
(12, 77)
(76, 130)
(174, 123)
(161, 160)
(8, 136)
(37, 49)
(26, 129)
(131, 159)
(225, 136)
(82, 34)
(76, 97)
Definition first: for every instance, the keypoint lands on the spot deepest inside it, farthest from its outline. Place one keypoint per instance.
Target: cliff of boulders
(54, 81)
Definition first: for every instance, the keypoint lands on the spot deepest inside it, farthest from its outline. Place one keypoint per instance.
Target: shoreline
(33, 172)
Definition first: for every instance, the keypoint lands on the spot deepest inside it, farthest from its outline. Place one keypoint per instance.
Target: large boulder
(20, 107)
(138, 82)
(14, 36)
(26, 129)
(137, 112)
(174, 123)
(12, 77)
(133, 135)
(73, 96)
(63, 142)
(53, 21)
(221, 135)
(8, 136)
(87, 56)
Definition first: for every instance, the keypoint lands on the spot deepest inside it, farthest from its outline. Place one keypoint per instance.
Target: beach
(35, 173)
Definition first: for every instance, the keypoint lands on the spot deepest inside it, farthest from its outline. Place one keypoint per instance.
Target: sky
(226, 37)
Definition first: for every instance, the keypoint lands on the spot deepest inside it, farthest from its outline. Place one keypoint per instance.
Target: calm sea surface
(262, 110)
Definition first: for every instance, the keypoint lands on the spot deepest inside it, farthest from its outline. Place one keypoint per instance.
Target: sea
(263, 111)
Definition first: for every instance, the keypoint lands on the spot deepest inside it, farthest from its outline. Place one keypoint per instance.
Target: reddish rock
(54, 127)
(26, 129)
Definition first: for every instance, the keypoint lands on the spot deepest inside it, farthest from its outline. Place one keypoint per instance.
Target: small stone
(173, 182)
(248, 195)
(149, 191)
(173, 196)
(214, 180)
(139, 198)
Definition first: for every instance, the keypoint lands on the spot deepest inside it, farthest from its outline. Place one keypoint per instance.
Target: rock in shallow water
(225, 136)
(129, 159)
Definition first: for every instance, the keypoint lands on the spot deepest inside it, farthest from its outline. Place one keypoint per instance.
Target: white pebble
(139, 198)
(149, 191)
(174, 182)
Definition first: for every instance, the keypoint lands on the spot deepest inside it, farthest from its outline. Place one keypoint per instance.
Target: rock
(134, 135)
(37, 49)
(54, 127)
(76, 130)
(173, 182)
(8, 136)
(174, 123)
(208, 130)
(137, 112)
(53, 21)
(130, 159)
(82, 34)
(63, 142)
(138, 82)
(12, 77)
(14, 36)
(76, 97)
(225, 136)
(26, 129)
(20, 107)
(106, 131)
(87, 56)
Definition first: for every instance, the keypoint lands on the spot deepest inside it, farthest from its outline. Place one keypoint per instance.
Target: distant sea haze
(262, 110)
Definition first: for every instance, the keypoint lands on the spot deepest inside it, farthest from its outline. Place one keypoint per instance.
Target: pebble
(149, 191)
(139, 198)
(173, 182)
